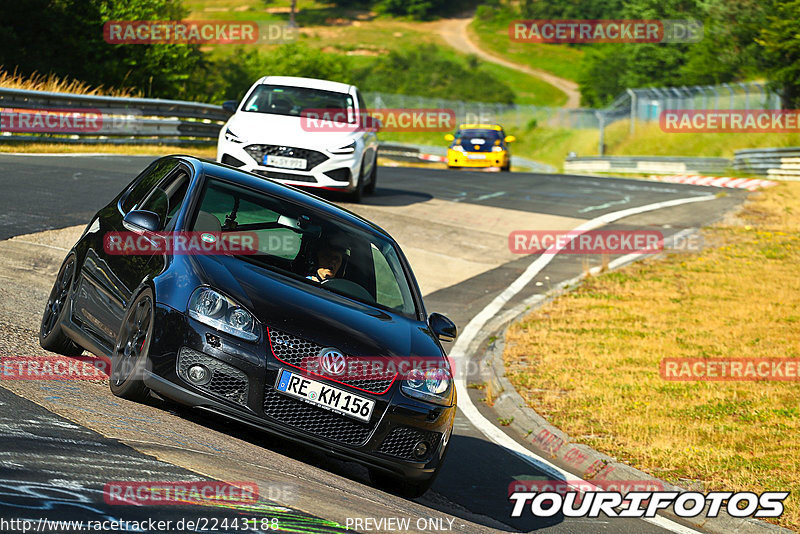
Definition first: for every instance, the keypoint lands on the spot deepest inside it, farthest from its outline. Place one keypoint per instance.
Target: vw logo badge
(332, 361)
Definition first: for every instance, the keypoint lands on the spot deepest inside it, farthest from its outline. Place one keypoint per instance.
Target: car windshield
(299, 242)
(478, 140)
(294, 101)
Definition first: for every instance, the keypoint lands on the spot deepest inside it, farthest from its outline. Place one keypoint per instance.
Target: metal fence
(105, 119)
(643, 105)
(647, 165)
(778, 163)
(150, 121)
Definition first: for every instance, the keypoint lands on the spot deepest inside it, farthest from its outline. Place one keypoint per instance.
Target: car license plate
(476, 156)
(285, 162)
(319, 394)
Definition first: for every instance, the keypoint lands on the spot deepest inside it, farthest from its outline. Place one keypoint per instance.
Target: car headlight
(432, 385)
(458, 147)
(232, 137)
(348, 149)
(497, 149)
(218, 311)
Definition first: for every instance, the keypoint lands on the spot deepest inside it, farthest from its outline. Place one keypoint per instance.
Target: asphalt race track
(61, 442)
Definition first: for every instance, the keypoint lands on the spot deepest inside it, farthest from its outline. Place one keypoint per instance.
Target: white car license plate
(285, 162)
(476, 156)
(335, 399)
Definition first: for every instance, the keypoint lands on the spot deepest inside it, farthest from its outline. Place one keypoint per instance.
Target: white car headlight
(232, 137)
(497, 149)
(432, 385)
(218, 311)
(347, 149)
(458, 147)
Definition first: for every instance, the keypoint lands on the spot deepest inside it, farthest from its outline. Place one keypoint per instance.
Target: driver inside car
(329, 261)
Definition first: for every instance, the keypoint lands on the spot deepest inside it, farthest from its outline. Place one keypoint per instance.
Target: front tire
(51, 335)
(129, 359)
(357, 195)
(373, 177)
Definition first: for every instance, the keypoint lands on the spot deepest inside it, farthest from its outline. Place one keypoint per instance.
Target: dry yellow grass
(52, 83)
(209, 152)
(589, 361)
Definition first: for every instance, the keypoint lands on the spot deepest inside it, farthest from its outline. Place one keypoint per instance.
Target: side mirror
(510, 139)
(230, 105)
(141, 221)
(444, 328)
(449, 137)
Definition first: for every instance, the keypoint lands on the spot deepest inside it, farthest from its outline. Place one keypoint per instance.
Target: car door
(110, 275)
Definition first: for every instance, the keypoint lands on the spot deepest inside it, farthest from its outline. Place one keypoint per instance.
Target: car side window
(388, 291)
(166, 199)
(146, 183)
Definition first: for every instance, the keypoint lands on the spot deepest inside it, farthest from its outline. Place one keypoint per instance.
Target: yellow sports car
(479, 145)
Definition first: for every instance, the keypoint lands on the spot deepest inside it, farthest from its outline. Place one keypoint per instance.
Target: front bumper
(456, 158)
(334, 171)
(246, 393)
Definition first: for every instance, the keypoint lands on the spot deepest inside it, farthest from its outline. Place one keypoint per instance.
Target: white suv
(274, 133)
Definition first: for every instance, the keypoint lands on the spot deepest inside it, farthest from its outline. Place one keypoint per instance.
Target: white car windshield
(294, 101)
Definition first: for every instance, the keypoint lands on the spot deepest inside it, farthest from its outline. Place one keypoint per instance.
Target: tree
(780, 42)
(65, 37)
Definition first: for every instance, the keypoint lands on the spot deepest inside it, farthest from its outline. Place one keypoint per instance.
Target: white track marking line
(470, 332)
(490, 195)
(606, 205)
(12, 240)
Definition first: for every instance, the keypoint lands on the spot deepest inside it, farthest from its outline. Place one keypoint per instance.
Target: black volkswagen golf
(308, 322)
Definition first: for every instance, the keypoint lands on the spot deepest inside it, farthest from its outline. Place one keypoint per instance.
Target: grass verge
(589, 361)
(492, 33)
(209, 152)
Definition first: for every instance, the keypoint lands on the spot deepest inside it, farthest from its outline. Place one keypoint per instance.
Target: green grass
(360, 35)
(492, 33)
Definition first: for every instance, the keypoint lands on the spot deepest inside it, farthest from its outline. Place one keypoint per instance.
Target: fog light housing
(421, 449)
(199, 375)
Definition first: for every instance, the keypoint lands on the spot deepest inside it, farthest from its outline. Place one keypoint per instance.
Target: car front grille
(401, 441)
(226, 381)
(314, 420)
(286, 176)
(312, 157)
(297, 352)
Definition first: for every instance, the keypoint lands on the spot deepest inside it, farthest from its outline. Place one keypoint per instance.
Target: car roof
(311, 83)
(268, 186)
(495, 127)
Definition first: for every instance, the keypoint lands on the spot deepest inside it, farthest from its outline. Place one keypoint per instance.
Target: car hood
(328, 319)
(263, 128)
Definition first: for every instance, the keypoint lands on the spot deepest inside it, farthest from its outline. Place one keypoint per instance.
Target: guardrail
(106, 119)
(778, 163)
(647, 165)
